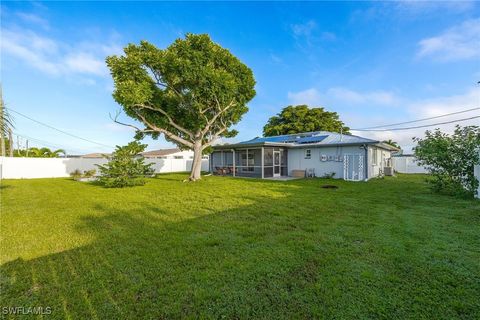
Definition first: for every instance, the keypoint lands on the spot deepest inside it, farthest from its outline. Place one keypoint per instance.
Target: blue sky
(372, 62)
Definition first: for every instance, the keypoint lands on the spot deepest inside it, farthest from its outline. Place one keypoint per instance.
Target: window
(308, 153)
(374, 156)
(178, 157)
(248, 159)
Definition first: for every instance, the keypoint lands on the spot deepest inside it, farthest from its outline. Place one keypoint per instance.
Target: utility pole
(27, 149)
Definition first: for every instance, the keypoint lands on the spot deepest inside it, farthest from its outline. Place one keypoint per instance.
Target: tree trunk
(195, 174)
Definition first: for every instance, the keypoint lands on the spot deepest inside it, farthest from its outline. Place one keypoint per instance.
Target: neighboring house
(407, 163)
(173, 153)
(349, 157)
(95, 155)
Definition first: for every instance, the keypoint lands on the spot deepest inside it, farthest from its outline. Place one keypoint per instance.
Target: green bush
(77, 174)
(328, 175)
(89, 173)
(125, 168)
(450, 159)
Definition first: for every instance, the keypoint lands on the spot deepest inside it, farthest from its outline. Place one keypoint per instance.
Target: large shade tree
(301, 118)
(191, 92)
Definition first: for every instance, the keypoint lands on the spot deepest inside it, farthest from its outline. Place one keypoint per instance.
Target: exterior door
(353, 167)
(276, 163)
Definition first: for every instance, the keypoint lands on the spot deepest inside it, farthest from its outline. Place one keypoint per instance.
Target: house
(95, 155)
(318, 153)
(173, 153)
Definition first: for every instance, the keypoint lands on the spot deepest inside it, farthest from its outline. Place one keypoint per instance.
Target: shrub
(89, 173)
(450, 159)
(328, 175)
(77, 174)
(125, 168)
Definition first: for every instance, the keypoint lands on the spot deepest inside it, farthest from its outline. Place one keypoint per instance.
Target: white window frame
(375, 156)
(308, 153)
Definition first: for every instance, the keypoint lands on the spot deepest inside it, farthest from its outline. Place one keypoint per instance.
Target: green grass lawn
(240, 248)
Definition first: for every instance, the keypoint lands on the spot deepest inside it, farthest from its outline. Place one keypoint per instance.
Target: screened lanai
(255, 162)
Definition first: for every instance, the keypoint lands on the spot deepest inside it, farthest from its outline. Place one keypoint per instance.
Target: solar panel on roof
(312, 139)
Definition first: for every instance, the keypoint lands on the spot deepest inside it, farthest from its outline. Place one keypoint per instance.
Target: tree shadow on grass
(262, 260)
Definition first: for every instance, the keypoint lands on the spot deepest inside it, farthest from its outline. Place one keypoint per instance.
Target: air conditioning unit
(388, 171)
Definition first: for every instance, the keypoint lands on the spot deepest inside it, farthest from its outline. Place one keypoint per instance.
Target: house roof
(316, 138)
(95, 155)
(160, 152)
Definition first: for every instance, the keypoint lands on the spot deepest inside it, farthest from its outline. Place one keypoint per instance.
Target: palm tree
(392, 143)
(6, 123)
(40, 153)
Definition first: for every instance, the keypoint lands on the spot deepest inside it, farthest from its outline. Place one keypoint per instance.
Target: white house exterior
(320, 153)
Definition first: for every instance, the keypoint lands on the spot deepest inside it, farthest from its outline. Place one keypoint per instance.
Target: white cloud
(355, 97)
(422, 6)
(457, 43)
(441, 105)
(344, 95)
(304, 29)
(82, 62)
(276, 59)
(33, 19)
(310, 97)
(55, 57)
(425, 108)
(328, 36)
(309, 33)
(363, 117)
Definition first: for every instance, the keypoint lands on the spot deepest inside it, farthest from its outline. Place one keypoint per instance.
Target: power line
(47, 143)
(412, 121)
(64, 132)
(417, 127)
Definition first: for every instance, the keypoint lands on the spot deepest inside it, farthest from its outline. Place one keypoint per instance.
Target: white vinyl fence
(27, 168)
(407, 164)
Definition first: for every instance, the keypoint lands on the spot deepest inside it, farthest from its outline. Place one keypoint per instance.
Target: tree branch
(165, 132)
(160, 83)
(170, 120)
(215, 117)
(115, 119)
(214, 137)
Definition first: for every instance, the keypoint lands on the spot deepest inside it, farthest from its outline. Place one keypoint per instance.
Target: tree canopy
(301, 118)
(192, 92)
